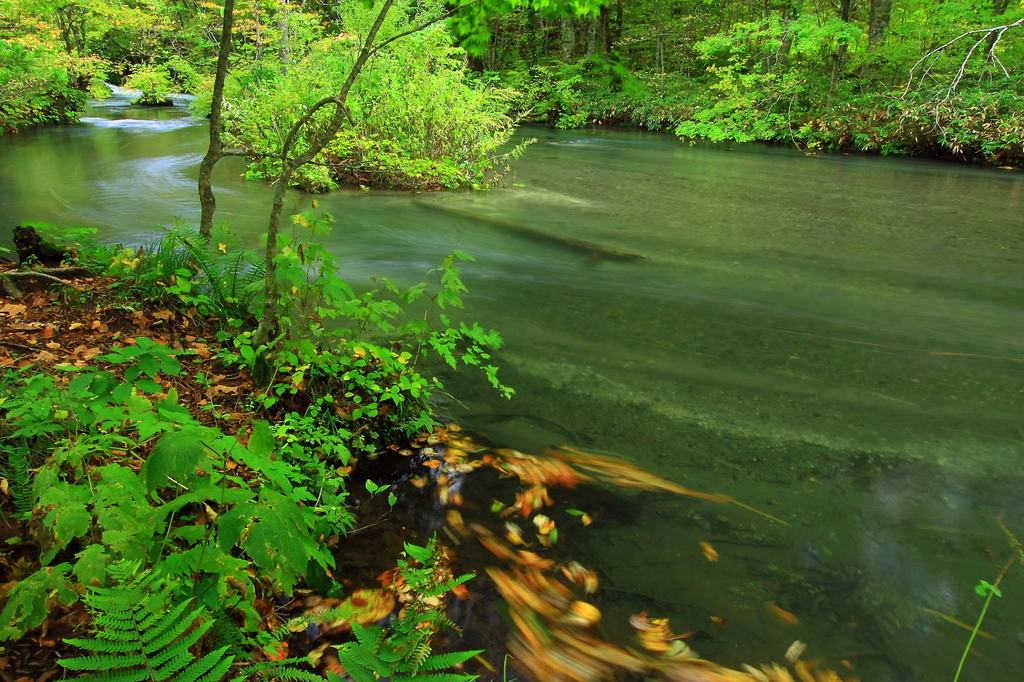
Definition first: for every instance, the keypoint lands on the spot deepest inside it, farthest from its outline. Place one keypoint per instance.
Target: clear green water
(836, 340)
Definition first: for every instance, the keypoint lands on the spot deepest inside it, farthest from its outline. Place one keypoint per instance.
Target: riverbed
(836, 340)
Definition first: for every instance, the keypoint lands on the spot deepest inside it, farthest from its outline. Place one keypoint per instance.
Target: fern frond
(442, 661)
(284, 670)
(439, 589)
(435, 677)
(142, 637)
(103, 662)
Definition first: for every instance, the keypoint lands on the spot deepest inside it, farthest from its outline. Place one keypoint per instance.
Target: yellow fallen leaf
(222, 247)
(75, 325)
(709, 551)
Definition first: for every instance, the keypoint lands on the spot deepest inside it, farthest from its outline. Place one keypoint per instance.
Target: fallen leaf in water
(718, 620)
(432, 463)
(783, 615)
(849, 666)
(588, 613)
(709, 551)
(795, 651)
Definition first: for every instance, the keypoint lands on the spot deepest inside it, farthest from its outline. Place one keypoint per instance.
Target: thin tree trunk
(840, 54)
(878, 21)
(215, 152)
(604, 30)
(999, 8)
(789, 14)
(288, 166)
(568, 39)
(285, 46)
(591, 34)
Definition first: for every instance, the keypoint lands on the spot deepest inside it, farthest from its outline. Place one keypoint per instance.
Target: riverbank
(975, 128)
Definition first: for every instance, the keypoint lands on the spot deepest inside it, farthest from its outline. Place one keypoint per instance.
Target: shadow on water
(838, 341)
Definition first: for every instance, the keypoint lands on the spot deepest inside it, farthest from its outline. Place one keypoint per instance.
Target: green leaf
(984, 588)
(420, 554)
(176, 455)
(92, 565)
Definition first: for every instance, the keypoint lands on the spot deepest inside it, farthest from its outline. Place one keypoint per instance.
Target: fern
(140, 636)
(288, 669)
(402, 651)
(374, 656)
(17, 471)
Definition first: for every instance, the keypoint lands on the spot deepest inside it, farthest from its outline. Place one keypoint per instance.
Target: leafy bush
(416, 121)
(154, 82)
(40, 85)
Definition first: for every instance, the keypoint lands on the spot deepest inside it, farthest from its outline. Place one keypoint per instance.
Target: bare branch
(985, 34)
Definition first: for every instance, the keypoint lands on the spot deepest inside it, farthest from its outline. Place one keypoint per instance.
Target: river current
(837, 340)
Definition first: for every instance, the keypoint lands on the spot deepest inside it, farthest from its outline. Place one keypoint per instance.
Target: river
(836, 340)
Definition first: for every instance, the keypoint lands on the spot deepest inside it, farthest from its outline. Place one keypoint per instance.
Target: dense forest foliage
(913, 76)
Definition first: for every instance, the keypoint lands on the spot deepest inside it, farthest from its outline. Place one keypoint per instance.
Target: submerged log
(595, 251)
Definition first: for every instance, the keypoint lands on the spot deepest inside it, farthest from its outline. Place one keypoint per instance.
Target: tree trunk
(840, 54)
(789, 13)
(878, 21)
(999, 8)
(568, 39)
(289, 164)
(604, 30)
(591, 34)
(215, 152)
(284, 51)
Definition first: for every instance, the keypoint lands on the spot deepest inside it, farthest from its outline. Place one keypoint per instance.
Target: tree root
(37, 279)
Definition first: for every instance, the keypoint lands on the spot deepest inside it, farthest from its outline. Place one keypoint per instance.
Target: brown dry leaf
(53, 345)
(13, 309)
(25, 326)
(45, 356)
(202, 350)
(163, 315)
(221, 388)
(709, 551)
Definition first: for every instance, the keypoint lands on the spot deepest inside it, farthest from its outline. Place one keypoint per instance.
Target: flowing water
(835, 340)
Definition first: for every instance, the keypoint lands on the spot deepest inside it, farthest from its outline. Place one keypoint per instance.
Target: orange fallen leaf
(720, 621)
(96, 324)
(48, 332)
(276, 651)
(709, 551)
(847, 663)
(432, 463)
(783, 615)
